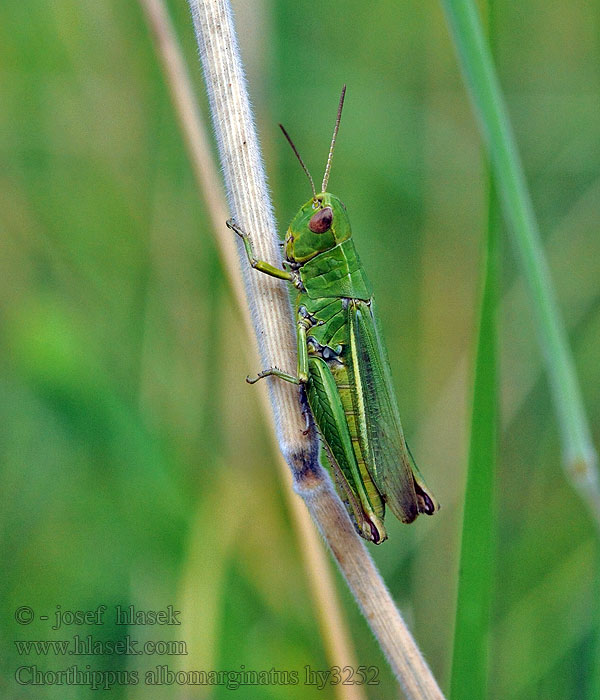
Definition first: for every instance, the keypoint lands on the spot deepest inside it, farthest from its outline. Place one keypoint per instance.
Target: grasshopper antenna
(335, 133)
(287, 136)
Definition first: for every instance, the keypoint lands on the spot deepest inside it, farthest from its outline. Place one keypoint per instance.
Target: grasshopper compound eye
(321, 221)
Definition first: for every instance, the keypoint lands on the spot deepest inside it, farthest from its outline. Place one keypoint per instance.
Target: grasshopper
(343, 368)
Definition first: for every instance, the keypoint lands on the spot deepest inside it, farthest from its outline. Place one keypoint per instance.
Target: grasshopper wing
(362, 500)
(380, 430)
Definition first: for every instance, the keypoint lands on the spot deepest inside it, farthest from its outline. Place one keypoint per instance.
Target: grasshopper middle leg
(302, 376)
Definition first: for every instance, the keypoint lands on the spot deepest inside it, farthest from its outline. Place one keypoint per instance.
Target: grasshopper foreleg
(260, 265)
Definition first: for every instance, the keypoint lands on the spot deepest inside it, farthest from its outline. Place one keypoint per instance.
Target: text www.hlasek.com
(89, 646)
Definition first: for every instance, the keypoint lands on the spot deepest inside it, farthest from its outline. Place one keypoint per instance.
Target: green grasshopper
(343, 369)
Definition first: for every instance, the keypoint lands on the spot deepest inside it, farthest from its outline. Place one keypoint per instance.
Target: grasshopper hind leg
(308, 416)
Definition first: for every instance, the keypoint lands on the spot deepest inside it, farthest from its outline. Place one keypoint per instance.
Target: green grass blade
(579, 453)
(469, 661)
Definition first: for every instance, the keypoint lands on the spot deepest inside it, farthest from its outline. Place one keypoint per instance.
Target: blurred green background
(135, 467)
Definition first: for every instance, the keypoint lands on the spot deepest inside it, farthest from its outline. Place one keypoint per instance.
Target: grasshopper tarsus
(274, 372)
(259, 376)
(231, 224)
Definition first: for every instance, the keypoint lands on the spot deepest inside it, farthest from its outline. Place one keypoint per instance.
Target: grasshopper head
(322, 222)
(320, 225)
